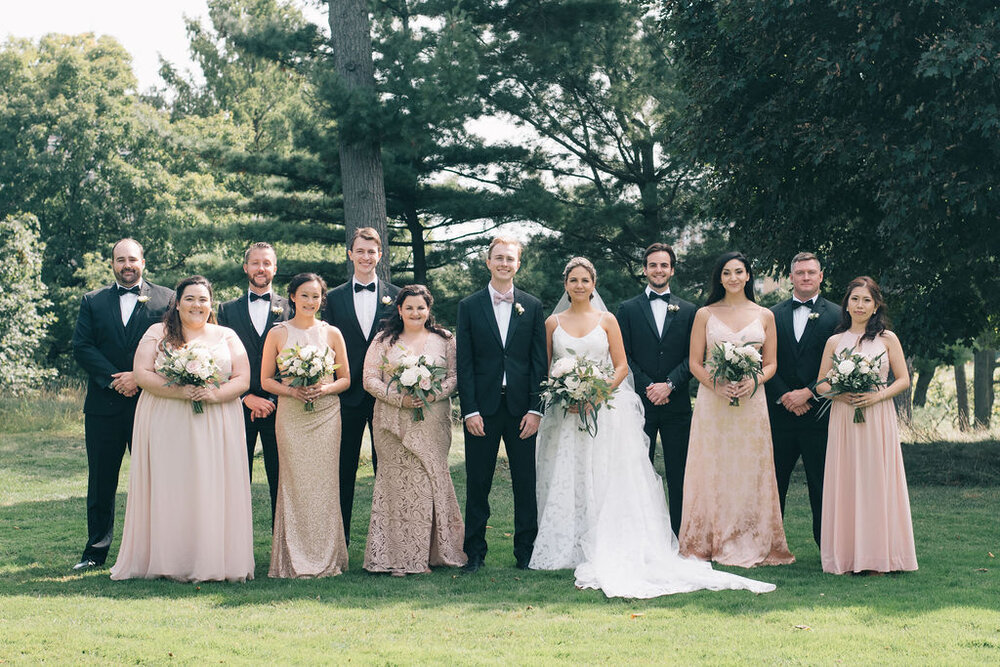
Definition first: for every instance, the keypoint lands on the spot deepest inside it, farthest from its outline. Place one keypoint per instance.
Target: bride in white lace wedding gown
(601, 506)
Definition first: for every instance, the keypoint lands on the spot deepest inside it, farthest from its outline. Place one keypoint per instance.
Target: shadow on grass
(955, 531)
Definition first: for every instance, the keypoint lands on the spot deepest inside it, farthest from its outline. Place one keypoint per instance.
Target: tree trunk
(418, 246)
(360, 153)
(648, 189)
(924, 377)
(904, 408)
(962, 395)
(984, 362)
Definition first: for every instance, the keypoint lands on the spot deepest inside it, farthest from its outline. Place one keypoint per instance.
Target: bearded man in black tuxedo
(251, 316)
(111, 322)
(357, 308)
(501, 362)
(656, 331)
(803, 324)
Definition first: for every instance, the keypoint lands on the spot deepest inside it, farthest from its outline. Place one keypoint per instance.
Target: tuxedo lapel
(490, 317)
(647, 311)
(786, 327)
(514, 318)
(246, 323)
(348, 306)
(380, 309)
(668, 320)
(811, 323)
(115, 306)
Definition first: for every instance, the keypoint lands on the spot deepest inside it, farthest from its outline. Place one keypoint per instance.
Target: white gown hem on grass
(601, 506)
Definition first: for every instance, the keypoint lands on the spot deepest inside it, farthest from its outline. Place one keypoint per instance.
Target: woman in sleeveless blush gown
(866, 524)
(415, 521)
(308, 538)
(731, 510)
(188, 512)
(601, 507)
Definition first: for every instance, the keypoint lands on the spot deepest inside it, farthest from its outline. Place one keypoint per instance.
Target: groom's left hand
(529, 425)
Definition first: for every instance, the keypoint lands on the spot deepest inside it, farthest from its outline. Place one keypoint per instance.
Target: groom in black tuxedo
(112, 320)
(251, 316)
(357, 308)
(656, 331)
(803, 324)
(501, 362)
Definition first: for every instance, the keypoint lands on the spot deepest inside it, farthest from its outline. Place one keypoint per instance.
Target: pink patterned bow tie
(500, 298)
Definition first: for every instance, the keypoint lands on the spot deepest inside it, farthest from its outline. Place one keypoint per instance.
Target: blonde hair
(504, 240)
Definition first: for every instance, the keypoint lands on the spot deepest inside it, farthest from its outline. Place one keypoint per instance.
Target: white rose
(409, 360)
(572, 383)
(409, 377)
(730, 351)
(561, 367)
(424, 372)
(863, 367)
(845, 367)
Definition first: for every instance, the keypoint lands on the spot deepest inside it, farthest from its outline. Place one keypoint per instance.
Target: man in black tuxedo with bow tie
(251, 316)
(111, 322)
(656, 331)
(357, 308)
(501, 362)
(803, 324)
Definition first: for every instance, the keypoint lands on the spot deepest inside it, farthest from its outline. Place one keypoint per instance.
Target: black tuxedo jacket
(340, 313)
(653, 357)
(235, 314)
(798, 362)
(103, 346)
(483, 358)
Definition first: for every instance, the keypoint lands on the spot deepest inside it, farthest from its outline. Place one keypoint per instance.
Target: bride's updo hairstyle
(173, 333)
(392, 326)
(580, 262)
(878, 322)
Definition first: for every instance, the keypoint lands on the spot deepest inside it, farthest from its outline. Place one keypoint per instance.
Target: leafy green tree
(863, 130)
(23, 320)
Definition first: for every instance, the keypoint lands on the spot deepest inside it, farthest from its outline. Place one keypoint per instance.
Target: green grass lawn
(947, 612)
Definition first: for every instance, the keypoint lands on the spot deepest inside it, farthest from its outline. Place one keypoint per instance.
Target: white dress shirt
(659, 308)
(800, 317)
(127, 301)
(501, 311)
(365, 305)
(258, 312)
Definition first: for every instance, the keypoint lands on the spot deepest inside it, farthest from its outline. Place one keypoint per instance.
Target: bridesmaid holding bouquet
(866, 526)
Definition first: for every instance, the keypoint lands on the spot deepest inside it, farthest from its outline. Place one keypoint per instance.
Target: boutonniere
(277, 310)
(672, 307)
(386, 300)
(143, 298)
(519, 309)
(813, 316)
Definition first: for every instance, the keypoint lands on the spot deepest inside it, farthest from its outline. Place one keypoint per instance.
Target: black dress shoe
(523, 564)
(85, 564)
(473, 566)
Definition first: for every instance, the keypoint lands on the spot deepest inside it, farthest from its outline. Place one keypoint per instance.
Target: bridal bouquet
(853, 373)
(191, 364)
(306, 365)
(415, 376)
(732, 363)
(580, 382)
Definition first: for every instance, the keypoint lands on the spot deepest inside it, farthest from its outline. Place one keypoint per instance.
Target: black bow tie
(134, 289)
(255, 297)
(653, 296)
(358, 287)
(796, 304)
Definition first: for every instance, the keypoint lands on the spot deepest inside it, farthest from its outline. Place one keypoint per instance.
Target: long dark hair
(878, 322)
(297, 281)
(718, 291)
(173, 333)
(392, 326)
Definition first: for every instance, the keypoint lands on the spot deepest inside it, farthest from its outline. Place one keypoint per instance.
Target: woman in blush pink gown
(188, 512)
(866, 524)
(731, 512)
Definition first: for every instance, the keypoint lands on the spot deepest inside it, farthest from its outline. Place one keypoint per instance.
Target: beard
(128, 277)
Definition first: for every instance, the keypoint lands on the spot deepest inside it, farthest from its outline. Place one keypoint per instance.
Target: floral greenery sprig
(192, 364)
(852, 373)
(729, 362)
(306, 365)
(581, 383)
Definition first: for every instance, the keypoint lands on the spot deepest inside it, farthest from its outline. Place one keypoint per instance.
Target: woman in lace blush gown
(308, 537)
(601, 507)
(866, 524)
(415, 520)
(188, 512)
(731, 510)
